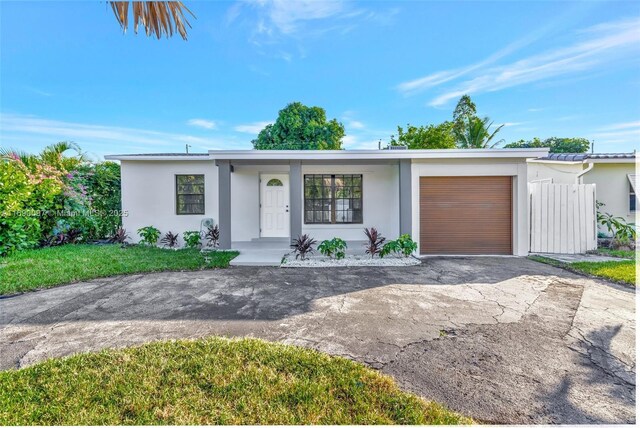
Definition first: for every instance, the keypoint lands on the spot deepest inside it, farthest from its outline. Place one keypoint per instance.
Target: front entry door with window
(274, 205)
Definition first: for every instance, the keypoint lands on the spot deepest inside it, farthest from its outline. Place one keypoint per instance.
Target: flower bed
(289, 261)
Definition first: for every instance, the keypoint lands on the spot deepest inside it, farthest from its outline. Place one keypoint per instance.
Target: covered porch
(248, 207)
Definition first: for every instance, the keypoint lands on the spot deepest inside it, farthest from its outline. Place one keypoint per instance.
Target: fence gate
(562, 218)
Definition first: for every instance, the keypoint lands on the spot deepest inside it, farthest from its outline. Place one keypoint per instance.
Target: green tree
(426, 137)
(476, 134)
(465, 111)
(555, 145)
(299, 127)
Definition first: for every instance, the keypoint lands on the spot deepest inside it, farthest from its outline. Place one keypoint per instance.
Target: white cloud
(353, 142)
(605, 44)
(276, 22)
(355, 124)
(252, 128)
(23, 130)
(287, 16)
(627, 132)
(202, 123)
(616, 126)
(508, 124)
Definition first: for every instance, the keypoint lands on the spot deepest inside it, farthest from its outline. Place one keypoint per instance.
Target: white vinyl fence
(562, 218)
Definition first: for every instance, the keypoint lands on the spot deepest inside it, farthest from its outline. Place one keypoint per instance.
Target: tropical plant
(333, 248)
(103, 187)
(299, 127)
(191, 239)
(404, 245)
(374, 241)
(120, 236)
(157, 17)
(303, 245)
(623, 233)
(73, 236)
(212, 235)
(477, 134)
(426, 137)
(149, 235)
(170, 240)
(391, 247)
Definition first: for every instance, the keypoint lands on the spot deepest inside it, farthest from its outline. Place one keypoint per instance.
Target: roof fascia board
(158, 158)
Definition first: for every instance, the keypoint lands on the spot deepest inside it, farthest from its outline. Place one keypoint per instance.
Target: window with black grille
(332, 198)
(189, 194)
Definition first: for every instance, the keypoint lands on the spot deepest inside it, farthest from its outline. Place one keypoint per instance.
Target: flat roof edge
(376, 154)
(201, 158)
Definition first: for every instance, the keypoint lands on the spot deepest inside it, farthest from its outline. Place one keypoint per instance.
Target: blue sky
(542, 68)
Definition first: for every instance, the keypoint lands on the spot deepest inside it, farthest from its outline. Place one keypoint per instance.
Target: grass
(616, 253)
(47, 267)
(623, 271)
(211, 381)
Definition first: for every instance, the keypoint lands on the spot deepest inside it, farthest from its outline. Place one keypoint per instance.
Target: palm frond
(14, 154)
(157, 17)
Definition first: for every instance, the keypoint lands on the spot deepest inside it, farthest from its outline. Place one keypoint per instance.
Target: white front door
(274, 205)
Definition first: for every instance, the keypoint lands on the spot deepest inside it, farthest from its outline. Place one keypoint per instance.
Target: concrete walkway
(260, 252)
(573, 258)
(504, 340)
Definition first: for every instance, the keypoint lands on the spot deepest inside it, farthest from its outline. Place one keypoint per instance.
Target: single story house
(450, 201)
(613, 173)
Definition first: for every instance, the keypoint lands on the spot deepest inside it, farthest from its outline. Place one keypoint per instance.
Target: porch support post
(405, 196)
(295, 198)
(224, 203)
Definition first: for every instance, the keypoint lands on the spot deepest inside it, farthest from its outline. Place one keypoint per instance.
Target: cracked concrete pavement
(504, 340)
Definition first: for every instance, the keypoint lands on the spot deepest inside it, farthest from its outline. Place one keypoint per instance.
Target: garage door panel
(465, 215)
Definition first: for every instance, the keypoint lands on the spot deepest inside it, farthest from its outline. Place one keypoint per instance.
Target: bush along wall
(52, 198)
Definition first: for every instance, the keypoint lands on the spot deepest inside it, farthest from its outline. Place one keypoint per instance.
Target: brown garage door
(465, 215)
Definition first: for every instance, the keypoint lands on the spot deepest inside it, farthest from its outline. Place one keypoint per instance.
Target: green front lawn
(208, 382)
(46, 267)
(623, 271)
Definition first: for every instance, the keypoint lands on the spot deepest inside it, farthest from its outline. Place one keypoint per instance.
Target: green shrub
(403, 245)
(333, 248)
(191, 239)
(40, 195)
(149, 235)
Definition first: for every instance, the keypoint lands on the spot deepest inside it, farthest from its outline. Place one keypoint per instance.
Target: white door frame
(284, 231)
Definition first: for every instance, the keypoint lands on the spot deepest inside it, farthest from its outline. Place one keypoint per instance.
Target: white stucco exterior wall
(612, 188)
(558, 172)
(452, 167)
(380, 202)
(149, 195)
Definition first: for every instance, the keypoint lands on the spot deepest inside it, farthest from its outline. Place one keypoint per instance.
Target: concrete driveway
(504, 340)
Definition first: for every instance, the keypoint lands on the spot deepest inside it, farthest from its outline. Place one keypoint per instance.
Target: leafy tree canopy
(463, 113)
(426, 137)
(299, 127)
(555, 144)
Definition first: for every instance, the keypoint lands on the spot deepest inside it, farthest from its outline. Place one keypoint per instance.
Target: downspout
(579, 176)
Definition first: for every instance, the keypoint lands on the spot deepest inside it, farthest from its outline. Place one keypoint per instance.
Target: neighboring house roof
(589, 157)
(341, 155)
